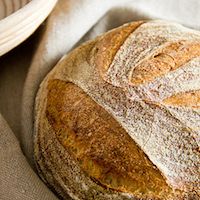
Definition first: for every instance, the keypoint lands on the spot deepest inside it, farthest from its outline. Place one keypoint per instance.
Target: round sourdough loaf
(119, 117)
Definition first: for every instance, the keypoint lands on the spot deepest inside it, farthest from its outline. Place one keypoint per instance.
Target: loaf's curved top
(146, 76)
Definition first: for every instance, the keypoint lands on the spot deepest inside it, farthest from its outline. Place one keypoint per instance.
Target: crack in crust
(108, 45)
(100, 145)
(167, 59)
(187, 99)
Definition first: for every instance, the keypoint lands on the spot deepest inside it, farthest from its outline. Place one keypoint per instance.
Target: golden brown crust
(101, 146)
(108, 45)
(187, 99)
(167, 59)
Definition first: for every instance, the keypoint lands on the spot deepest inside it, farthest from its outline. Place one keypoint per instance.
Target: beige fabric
(22, 70)
(18, 181)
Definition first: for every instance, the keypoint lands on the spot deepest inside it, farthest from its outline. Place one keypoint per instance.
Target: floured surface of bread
(100, 145)
(149, 88)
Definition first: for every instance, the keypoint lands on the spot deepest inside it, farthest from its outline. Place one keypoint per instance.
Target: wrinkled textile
(71, 23)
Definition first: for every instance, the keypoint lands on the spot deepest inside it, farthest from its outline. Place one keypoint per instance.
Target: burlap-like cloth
(21, 71)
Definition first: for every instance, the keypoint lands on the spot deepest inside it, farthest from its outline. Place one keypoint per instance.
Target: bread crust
(108, 45)
(102, 148)
(159, 127)
(166, 60)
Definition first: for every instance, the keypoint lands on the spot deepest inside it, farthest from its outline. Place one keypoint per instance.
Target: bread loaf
(119, 116)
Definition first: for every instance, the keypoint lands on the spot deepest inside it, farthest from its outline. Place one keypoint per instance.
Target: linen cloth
(21, 71)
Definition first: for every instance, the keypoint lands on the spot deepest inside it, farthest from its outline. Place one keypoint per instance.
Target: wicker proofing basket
(19, 19)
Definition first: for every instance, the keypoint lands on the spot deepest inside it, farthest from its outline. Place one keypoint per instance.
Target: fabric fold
(17, 179)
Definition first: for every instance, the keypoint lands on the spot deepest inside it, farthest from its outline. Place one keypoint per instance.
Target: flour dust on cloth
(22, 70)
